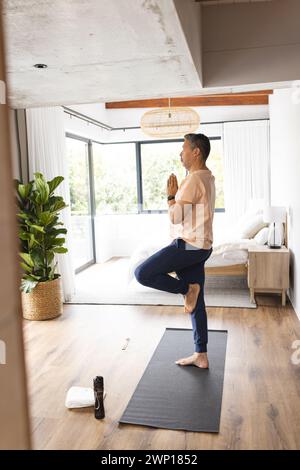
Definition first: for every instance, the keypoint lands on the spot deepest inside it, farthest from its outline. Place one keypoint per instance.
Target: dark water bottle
(98, 393)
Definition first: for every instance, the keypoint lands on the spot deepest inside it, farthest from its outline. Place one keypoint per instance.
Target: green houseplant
(40, 235)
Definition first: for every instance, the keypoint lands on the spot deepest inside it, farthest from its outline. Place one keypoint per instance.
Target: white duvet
(230, 247)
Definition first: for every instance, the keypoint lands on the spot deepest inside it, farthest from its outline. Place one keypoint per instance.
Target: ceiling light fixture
(170, 121)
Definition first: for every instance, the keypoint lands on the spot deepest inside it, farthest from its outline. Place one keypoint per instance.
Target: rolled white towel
(80, 397)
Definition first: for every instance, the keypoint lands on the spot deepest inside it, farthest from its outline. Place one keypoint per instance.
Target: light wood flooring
(260, 408)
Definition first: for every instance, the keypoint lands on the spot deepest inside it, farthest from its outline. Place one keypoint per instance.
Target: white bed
(234, 253)
(230, 249)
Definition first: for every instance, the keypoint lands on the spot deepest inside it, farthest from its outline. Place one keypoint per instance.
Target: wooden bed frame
(230, 270)
(238, 269)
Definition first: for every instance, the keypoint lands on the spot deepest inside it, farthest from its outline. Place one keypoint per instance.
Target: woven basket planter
(44, 301)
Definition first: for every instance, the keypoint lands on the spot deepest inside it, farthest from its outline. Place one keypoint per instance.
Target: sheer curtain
(246, 166)
(47, 155)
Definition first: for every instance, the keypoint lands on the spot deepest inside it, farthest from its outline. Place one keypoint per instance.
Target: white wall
(285, 174)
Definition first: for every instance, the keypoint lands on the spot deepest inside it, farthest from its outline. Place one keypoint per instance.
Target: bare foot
(197, 359)
(190, 299)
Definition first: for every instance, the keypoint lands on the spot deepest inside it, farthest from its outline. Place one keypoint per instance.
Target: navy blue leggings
(188, 264)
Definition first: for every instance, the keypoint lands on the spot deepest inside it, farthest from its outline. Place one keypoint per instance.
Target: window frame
(139, 187)
(139, 175)
(138, 156)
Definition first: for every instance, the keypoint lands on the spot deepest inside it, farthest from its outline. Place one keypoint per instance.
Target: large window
(80, 201)
(124, 178)
(158, 161)
(115, 178)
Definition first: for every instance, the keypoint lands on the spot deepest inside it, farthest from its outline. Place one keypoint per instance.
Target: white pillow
(262, 236)
(248, 227)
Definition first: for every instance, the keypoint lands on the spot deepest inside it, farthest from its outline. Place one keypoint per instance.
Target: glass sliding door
(79, 164)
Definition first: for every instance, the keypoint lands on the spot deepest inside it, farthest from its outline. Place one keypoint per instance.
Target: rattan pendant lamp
(170, 121)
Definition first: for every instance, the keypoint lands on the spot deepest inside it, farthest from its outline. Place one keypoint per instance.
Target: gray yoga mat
(180, 397)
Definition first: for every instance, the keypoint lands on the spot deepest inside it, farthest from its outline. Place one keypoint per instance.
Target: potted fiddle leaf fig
(41, 236)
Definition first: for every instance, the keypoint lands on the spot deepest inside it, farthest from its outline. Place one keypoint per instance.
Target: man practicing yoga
(191, 212)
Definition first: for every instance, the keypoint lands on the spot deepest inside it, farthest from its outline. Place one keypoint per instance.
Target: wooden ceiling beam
(229, 99)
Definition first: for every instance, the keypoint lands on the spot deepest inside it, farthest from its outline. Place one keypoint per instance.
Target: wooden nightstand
(268, 270)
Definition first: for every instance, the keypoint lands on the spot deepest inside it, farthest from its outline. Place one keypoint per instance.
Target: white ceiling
(95, 50)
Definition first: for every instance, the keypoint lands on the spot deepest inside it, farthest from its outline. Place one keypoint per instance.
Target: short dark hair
(201, 142)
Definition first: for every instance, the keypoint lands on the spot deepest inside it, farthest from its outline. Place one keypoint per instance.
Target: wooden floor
(260, 408)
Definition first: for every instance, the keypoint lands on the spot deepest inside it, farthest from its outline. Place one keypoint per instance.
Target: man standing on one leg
(191, 212)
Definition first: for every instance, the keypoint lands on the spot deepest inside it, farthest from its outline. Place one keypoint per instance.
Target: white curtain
(246, 166)
(47, 155)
